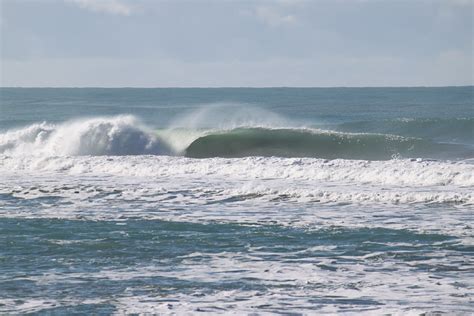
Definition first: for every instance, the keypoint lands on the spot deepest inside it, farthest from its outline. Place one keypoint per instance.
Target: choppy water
(237, 200)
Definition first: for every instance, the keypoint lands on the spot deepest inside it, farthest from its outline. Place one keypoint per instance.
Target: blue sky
(145, 43)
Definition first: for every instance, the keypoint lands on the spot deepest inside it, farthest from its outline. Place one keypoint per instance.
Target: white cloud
(272, 17)
(105, 6)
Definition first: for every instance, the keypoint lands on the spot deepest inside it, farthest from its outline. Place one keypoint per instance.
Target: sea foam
(412, 172)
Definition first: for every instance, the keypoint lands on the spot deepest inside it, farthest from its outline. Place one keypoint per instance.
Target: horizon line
(229, 87)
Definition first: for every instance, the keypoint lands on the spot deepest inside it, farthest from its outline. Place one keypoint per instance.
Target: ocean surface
(237, 200)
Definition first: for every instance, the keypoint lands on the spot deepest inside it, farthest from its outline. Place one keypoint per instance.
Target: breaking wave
(125, 135)
(120, 135)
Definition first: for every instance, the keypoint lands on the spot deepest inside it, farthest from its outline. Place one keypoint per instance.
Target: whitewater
(237, 201)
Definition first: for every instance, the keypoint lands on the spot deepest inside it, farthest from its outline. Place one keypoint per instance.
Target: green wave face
(243, 142)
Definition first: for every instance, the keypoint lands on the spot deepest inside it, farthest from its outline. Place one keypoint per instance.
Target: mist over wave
(228, 116)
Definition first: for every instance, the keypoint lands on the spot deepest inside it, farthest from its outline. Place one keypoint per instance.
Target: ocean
(237, 200)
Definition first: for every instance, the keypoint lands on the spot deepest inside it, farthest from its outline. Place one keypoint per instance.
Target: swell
(457, 130)
(244, 142)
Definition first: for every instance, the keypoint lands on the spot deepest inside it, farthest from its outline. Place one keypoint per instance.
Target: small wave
(460, 130)
(120, 135)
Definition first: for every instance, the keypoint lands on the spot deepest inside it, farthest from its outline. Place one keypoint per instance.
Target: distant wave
(125, 135)
(443, 129)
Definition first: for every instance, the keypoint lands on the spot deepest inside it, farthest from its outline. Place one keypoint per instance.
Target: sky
(218, 43)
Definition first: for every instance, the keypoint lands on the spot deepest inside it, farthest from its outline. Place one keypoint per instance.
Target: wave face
(120, 135)
(244, 142)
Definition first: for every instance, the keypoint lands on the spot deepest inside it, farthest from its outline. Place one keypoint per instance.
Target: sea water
(278, 200)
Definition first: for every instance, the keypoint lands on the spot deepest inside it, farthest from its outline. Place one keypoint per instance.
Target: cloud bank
(154, 43)
(104, 6)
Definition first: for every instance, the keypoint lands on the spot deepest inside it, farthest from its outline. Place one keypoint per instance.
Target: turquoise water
(283, 200)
